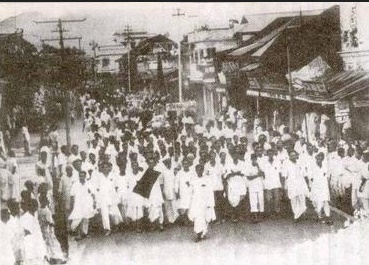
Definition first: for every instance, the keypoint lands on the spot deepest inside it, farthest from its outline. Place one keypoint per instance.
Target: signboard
(195, 74)
(222, 78)
(253, 83)
(342, 111)
(220, 90)
(230, 67)
(181, 106)
(208, 73)
(135, 103)
(308, 79)
(265, 94)
(310, 87)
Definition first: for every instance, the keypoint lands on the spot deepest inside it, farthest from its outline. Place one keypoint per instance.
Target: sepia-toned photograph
(161, 133)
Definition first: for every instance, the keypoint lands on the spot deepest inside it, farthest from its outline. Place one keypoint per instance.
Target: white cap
(267, 146)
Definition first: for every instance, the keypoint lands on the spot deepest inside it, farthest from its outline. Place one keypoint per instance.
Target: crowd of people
(188, 171)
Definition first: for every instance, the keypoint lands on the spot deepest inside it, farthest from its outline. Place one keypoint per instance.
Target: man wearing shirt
(272, 182)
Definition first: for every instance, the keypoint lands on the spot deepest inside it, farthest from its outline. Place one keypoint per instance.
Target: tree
(62, 71)
(18, 66)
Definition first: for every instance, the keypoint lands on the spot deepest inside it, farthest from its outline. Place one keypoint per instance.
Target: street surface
(27, 164)
(227, 243)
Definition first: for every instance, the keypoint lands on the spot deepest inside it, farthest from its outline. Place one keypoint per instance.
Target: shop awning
(265, 41)
(337, 87)
(250, 67)
(152, 74)
(329, 90)
(263, 49)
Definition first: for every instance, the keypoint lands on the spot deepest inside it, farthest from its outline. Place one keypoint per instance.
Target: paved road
(27, 164)
(228, 243)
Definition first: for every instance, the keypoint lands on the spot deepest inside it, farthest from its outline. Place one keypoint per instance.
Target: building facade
(199, 72)
(107, 56)
(355, 56)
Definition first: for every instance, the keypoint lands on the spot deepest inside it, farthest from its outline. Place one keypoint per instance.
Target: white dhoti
(298, 204)
(319, 205)
(171, 210)
(355, 189)
(236, 189)
(156, 213)
(201, 219)
(156, 202)
(135, 206)
(112, 211)
(256, 201)
(201, 210)
(84, 225)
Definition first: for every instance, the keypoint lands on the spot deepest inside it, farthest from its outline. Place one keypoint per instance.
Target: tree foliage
(62, 71)
(49, 73)
(18, 67)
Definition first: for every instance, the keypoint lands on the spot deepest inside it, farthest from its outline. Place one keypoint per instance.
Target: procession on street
(260, 123)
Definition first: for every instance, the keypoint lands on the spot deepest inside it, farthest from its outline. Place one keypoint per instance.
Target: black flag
(145, 184)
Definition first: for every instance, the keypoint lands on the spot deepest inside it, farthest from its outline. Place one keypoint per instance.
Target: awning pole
(292, 120)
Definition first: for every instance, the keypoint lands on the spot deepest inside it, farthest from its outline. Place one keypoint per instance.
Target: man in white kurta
(34, 244)
(82, 204)
(169, 180)
(297, 190)
(202, 203)
(65, 185)
(135, 203)
(183, 187)
(122, 183)
(320, 196)
(107, 198)
(16, 231)
(7, 254)
(215, 172)
(236, 185)
(256, 188)
(155, 200)
(357, 166)
(272, 167)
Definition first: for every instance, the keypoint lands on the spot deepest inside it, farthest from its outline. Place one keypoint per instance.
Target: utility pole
(178, 14)
(94, 45)
(128, 37)
(66, 91)
(290, 88)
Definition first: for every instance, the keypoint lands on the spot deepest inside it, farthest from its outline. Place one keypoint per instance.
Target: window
(105, 62)
(211, 52)
(202, 55)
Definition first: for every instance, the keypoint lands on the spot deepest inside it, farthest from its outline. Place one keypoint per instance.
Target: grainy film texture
(184, 133)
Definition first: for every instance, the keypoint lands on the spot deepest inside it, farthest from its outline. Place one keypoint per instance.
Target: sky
(103, 19)
(157, 15)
